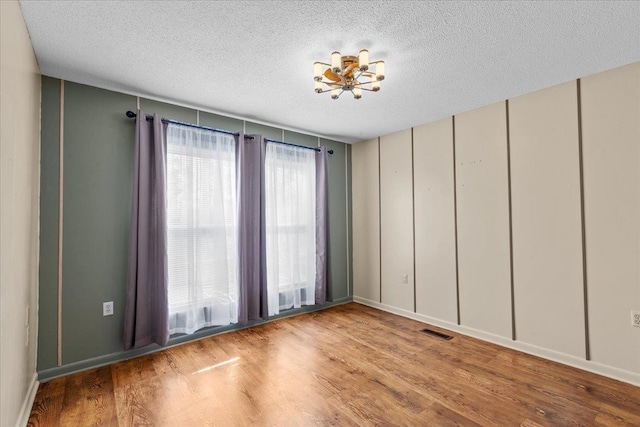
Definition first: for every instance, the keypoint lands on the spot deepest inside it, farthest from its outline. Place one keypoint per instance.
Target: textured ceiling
(254, 59)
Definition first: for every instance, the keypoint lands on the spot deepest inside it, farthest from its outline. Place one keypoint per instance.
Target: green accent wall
(98, 168)
(220, 122)
(337, 216)
(49, 195)
(350, 217)
(168, 111)
(266, 131)
(300, 138)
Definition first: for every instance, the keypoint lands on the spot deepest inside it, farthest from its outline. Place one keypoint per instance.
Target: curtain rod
(132, 115)
(296, 145)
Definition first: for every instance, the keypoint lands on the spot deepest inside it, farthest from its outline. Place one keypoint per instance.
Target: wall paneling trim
(527, 211)
(85, 220)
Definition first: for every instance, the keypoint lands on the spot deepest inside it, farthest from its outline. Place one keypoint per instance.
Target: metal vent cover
(437, 334)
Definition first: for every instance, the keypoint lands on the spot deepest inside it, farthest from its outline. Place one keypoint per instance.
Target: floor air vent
(437, 334)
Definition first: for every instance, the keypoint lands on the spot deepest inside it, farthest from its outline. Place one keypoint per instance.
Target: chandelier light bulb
(317, 71)
(336, 60)
(357, 93)
(375, 84)
(318, 86)
(335, 93)
(380, 70)
(363, 59)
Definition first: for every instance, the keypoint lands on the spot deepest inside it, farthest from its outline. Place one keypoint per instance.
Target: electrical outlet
(107, 308)
(635, 318)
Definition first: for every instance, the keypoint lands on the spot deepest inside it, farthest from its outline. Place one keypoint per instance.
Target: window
(202, 237)
(290, 186)
(225, 262)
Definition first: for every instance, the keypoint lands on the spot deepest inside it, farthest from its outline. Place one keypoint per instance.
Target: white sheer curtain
(290, 226)
(202, 229)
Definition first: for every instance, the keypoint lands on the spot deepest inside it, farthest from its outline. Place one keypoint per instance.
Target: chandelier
(348, 74)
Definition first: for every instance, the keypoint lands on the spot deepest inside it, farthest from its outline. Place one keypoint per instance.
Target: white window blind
(202, 229)
(290, 185)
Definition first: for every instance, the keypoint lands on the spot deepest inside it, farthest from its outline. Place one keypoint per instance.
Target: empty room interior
(288, 213)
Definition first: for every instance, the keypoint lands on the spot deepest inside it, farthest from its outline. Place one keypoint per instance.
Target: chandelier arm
(330, 83)
(364, 83)
(358, 76)
(326, 90)
(337, 96)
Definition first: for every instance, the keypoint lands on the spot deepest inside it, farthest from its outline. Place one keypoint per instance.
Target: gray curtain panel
(147, 309)
(323, 260)
(252, 257)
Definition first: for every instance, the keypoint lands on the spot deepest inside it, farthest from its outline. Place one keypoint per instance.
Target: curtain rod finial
(131, 114)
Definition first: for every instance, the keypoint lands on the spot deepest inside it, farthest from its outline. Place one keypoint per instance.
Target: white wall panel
(484, 275)
(396, 220)
(366, 219)
(19, 213)
(611, 153)
(546, 215)
(435, 241)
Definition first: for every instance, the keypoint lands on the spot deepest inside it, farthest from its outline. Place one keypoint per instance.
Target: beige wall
(482, 192)
(396, 220)
(19, 188)
(547, 225)
(547, 244)
(365, 174)
(435, 236)
(611, 151)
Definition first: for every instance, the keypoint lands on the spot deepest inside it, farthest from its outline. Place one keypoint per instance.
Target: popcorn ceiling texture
(255, 60)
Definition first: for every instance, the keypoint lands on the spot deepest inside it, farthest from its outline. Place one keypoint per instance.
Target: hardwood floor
(347, 365)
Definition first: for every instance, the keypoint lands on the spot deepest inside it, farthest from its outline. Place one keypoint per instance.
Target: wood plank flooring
(347, 365)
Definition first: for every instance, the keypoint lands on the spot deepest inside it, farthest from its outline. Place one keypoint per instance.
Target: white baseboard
(25, 411)
(566, 359)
